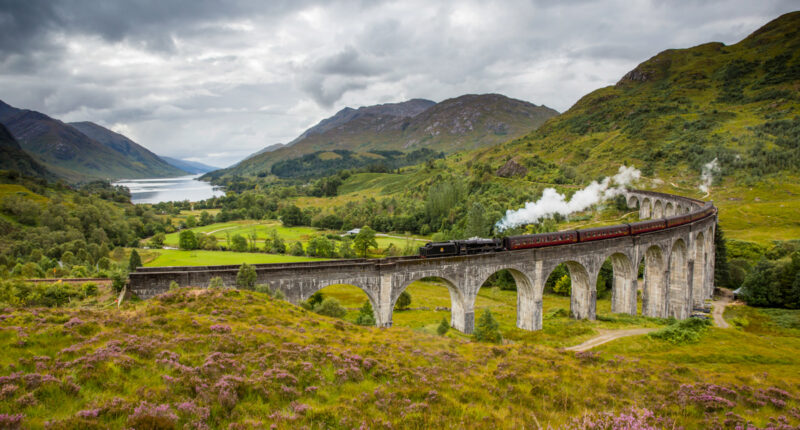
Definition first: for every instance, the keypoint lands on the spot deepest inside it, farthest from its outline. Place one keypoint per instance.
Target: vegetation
(487, 329)
(404, 301)
(246, 277)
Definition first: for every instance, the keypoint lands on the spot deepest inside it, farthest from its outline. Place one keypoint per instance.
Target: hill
(187, 166)
(221, 357)
(132, 150)
(74, 156)
(13, 157)
(683, 108)
(462, 123)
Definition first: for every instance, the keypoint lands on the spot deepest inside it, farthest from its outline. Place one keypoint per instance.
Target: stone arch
(529, 303)
(699, 275)
(679, 290)
(623, 290)
(654, 292)
(669, 209)
(645, 209)
(633, 201)
(462, 316)
(658, 209)
(687, 209)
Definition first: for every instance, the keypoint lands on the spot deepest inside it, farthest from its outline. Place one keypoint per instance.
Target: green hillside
(13, 157)
(683, 108)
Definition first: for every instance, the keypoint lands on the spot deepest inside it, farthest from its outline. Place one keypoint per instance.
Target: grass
(13, 189)
(220, 356)
(174, 257)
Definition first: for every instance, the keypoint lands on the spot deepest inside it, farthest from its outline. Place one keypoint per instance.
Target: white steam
(707, 176)
(552, 202)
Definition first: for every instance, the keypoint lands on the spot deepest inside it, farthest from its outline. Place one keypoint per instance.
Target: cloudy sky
(215, 81)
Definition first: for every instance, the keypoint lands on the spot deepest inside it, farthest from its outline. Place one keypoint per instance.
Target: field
(174, 257)
(241, 357)
(263, 229)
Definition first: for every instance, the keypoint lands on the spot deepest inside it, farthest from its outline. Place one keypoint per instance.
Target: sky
(214, 81)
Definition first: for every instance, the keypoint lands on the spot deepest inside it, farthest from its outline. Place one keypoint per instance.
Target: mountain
(681, 109)
(130, 149)
(192, 167)
(13, 157)
(71, 154)
(465, 122)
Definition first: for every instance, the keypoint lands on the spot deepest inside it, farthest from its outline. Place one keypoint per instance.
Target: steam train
(480, 246)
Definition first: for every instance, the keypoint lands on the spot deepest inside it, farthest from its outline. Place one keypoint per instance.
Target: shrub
(118, 280)
(246, 278)
(404, 301)
(487, 330)
(187, 240)
(173, 286)
(89, 289)
(104, 263)
(297, 249)
(79, 272)
(563, 286)
(216, 282)
(239, 243)
(443, 328)
(149, 416)
(330, 307)
(685, 331)
(366, 316)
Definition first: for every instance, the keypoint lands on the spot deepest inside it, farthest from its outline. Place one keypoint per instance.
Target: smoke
(707, 176)
(552, 202)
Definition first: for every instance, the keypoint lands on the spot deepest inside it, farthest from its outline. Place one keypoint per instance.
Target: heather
(210, 358)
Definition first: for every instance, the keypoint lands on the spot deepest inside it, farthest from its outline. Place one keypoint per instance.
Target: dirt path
(719, 307)
(608, 336)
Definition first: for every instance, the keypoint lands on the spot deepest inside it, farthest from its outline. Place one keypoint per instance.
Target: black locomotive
(511, 243)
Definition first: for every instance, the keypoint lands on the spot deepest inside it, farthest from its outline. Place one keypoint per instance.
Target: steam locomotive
(480, 246)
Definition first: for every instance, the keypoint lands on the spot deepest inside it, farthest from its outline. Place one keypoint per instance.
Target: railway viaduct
(678, 272)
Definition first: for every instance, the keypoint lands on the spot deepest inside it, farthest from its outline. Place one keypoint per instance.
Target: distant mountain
(130, 149)
(465, 122)
(681, 109)
(192, 167)
(13, 157)
(74, 156)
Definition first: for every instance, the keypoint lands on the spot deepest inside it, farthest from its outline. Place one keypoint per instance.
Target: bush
(330, 307)
(173, 286)
(366, 316)
(297, 249)
(685, 331)
(404, 301)
(487, 329)
(216, 282)
(135, 261)
(563, 286)
(89, 289)
(187, 240)
(118, 280)
(246, 278)
(443, 328)
(315, 299)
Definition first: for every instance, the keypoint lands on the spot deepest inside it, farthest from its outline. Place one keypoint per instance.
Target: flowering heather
(11, 421)
(170, 363)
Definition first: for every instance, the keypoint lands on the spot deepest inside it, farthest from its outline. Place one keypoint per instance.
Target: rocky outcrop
(511, 169)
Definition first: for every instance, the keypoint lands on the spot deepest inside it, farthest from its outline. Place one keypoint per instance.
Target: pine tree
(366, 316)
(246, 278)
(404, 301)
(722, 273)
(444, 326)
(487, 329)
(135, 261)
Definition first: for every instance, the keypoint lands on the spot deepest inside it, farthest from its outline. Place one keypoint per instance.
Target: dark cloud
(219, 80)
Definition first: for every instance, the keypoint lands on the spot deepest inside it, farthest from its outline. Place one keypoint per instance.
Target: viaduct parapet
(678, 272)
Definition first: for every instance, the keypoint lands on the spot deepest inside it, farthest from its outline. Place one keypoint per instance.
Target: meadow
(174, 257)
(241, 357)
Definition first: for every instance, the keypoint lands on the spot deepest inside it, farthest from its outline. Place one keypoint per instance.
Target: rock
(510, 169)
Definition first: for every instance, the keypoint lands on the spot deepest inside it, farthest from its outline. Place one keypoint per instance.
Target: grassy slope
(243, 358)
(174, 257)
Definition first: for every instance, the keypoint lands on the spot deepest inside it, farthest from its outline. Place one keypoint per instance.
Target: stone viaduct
(678, 272)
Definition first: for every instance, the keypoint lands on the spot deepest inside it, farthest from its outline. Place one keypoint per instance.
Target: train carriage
(599, 233)
(539, 240)
(647, 226)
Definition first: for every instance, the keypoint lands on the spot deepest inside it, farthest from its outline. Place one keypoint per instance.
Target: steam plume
(552, 202)
(707, 176)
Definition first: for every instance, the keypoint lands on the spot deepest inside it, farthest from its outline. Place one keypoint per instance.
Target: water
(158, 190)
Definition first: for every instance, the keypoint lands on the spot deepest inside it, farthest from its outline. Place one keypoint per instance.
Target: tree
(191, 222)
(365, 239)
(157, 241)
(487, 330)
(216, 282)
(297, 249)
(346, 248)
(477, 224)
(315, 299)
(118, 280)
(277, 245)
(366, 316)
(239, 243)
(135, 261)
(330, 307)
(320, 246)
(404, 301)
(187, 240)
(246, 278)
(444, 326)
(563, 286)
(291, 215)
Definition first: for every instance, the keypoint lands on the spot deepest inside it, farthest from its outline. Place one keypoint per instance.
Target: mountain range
(462, 123)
